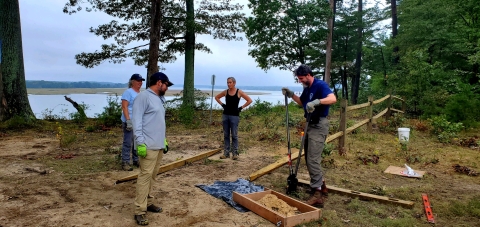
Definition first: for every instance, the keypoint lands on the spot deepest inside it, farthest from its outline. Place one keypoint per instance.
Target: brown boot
(316, 200)
(324, 189)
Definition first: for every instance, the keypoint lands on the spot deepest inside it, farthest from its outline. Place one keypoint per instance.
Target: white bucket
(403, 134)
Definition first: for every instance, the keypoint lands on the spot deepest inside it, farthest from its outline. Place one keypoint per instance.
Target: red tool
(428, 208)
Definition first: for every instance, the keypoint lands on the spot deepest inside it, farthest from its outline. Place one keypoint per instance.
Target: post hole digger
(292, 181)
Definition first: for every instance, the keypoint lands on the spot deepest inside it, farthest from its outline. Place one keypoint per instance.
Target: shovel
(292, 181)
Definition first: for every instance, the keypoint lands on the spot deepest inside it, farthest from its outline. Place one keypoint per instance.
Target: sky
(51, 39)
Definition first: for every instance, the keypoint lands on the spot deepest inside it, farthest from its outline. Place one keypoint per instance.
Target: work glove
(287, 92)
(240, 109)
(311, 105)
(142, 150)
(165, 150)
(129, 125)
(223, 105)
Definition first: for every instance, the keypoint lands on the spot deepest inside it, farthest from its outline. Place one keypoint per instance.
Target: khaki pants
(148, 171)
(315, 141)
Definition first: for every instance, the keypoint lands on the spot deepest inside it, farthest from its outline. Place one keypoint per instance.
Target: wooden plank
(308, 213)
(381, 113)
(364, 196)
(357, 125)
(282, 161)
(174, 165)
(399, 111)
(359, 106)
(398, 98)
(370, 113)
(401, 171)
(381, 100)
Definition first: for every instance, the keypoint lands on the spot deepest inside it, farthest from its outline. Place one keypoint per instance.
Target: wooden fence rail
(341, 135)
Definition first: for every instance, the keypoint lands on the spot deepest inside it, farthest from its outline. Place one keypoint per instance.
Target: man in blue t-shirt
(316, 99)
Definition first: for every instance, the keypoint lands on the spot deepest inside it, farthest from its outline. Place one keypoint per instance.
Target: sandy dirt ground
(118, 91)
(29, 198)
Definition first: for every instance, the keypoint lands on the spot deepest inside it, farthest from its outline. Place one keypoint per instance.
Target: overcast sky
(51, 39)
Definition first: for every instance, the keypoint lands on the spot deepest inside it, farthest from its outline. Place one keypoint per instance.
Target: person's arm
(139, 106)
(246, 97)
(219, 96)
(125, 109)
(329, 100)
(296, 98)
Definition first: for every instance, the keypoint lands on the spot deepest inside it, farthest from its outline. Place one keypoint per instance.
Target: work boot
(154, 209)
(235, 157)
(141, 219)
(316, 200)
(136, 164)
(324, 189)
(126, 166)
(224, 156)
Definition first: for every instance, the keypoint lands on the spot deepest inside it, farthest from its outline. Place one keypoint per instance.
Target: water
(57, 105)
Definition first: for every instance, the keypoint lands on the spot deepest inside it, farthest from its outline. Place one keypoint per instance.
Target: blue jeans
(127, 147)
(230, 125)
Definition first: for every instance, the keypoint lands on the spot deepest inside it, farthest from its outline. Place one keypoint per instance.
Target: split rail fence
(341, 135)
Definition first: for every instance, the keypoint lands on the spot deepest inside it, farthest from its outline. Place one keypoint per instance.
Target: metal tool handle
(301, 145)
(288, 137)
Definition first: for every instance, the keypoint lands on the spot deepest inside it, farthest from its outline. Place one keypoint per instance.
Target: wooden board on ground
(401, 171)
(175, 164)
(364, 196)
(308, 213)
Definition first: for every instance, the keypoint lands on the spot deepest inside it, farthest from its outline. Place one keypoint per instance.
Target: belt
(315, 121)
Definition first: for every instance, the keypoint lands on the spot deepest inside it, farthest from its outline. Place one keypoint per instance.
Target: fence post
(404, 105)
(370, 113)
(389, 105)
(343, 125)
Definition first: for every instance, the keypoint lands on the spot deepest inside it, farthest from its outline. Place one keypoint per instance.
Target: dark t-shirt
(318, 90)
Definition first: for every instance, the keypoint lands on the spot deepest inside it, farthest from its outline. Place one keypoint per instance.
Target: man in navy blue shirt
(316, 99)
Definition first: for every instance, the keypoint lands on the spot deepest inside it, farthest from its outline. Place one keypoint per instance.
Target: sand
(118, 91)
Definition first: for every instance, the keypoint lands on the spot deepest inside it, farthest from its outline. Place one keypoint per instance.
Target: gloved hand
(240, 109)
(288, 92)
(165, 150)
(129, 125)
(311, 105)
(223, 105)
(142, 150)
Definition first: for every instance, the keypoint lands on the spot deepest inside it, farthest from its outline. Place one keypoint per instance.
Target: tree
(358, 60)
(13, 91)
(219, 19)
(285, 33)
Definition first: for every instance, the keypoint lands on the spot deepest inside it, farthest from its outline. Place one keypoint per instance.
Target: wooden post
(370, 113)
(404, 105)
(389, 105)
(343, 125)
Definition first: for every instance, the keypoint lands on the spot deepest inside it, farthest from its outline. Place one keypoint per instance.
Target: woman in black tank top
(230, 116)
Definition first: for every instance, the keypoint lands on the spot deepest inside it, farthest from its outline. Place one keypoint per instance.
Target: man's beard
(161, 93)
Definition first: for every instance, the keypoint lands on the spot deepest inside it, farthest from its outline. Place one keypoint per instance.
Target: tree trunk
(188, 85)
(328, 63)
(155, 26)
(394, 29)
(358, 62)
(13, 90)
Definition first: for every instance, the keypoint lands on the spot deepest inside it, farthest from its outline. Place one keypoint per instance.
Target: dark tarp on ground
(224, 190)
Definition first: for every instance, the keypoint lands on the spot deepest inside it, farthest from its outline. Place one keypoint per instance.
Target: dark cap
(303, 70)
(137, 77)
(160, 76)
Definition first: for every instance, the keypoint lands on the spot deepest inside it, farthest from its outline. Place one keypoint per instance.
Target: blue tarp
(224, 190)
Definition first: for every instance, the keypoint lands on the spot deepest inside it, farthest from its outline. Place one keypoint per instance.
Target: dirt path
(29, 198)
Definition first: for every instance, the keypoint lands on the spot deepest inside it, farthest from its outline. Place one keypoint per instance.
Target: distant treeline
(80, 84)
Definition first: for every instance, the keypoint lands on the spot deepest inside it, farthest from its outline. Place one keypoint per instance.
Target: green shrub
(78, 117)
(464, 107)
(111, 113)
(443, 129)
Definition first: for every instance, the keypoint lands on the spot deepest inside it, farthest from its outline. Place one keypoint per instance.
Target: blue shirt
(128, 95)
(318, 90)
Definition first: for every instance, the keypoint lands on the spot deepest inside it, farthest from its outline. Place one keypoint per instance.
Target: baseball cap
(137, 77)
(160, 76)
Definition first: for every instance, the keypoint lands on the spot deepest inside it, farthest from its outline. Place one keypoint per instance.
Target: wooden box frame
(308, 213)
